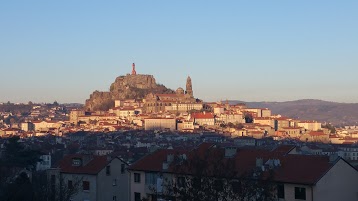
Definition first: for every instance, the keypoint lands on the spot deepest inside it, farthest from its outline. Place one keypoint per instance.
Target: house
(160, 123)
(203, 119)
(281, 122)
(310, 125)
(10, 131)
(46, 125)
(44, 163)
(186, 125)
(264, 121)
(292, 132)
(228, 117)
(27, 126)
(98, 177)
(291, 176)
(127, 112)
(315, 136)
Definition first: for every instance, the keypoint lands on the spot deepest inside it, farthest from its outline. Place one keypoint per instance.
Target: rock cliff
(125, 87)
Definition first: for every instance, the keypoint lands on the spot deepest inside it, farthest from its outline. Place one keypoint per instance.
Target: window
(137, 177)
(114, 198)
(69, 184)
(300, 193)
(150, 178)
(123, 167)
(114, 182)
(86, 185)
(281, 191)
(137, 196)
(108, 170)
(76, 162)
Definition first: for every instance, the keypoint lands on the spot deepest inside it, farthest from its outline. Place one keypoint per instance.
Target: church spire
(133, 69)
(189, 87)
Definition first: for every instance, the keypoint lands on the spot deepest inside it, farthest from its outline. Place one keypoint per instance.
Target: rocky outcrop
(125, 87)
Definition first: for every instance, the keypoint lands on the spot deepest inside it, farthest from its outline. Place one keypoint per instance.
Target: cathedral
(180, 101)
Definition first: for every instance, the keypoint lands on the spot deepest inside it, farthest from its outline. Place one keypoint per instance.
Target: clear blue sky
(243, 50)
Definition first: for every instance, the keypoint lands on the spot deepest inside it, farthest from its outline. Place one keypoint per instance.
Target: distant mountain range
(338, 114)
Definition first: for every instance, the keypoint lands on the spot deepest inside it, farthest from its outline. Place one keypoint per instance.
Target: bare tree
(54, 187)
(212, 176)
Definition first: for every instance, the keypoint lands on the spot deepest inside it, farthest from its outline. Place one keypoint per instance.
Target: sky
(238, 50)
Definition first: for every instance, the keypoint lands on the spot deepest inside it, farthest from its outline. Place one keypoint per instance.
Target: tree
(249, 118)
(14, 182)
(41, 187)
(239, 126)
(93, 122)
(230, 125)
(330, 127)
(212, 176)
(16, 155)
(54, 187)
(20, 189)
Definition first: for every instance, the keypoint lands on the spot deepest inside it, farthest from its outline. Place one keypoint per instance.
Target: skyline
(268, 51)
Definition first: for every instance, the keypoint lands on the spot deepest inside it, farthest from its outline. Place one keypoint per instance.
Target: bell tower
(189, 87)
(133, 69)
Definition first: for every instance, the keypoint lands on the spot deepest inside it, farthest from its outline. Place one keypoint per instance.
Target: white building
(160, 124)
(44, 163)
(98, 177)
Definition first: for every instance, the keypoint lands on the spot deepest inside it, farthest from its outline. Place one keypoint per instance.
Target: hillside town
(133, 148)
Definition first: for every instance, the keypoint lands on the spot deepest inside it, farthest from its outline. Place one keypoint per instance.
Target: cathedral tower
(189, 87)
(133, 69)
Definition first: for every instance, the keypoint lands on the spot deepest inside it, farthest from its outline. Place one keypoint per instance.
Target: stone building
(180, 101)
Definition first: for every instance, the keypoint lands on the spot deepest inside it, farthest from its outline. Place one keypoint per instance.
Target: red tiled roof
(299, 169)
(316, 133)
(153, 162)
(284, 149)
(94, 166)
(168, 95)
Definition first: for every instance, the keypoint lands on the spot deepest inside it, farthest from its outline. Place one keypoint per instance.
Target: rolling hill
(338, 114)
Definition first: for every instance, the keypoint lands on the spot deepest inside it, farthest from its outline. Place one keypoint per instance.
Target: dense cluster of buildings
(131, 151)
(134, 165)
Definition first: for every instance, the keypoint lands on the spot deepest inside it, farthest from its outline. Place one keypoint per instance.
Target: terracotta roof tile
(94, 166)
(299, 169)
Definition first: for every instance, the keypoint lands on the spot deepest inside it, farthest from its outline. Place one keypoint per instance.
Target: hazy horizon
(236, 50)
